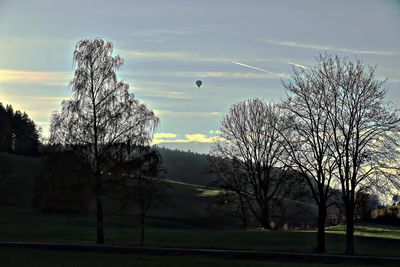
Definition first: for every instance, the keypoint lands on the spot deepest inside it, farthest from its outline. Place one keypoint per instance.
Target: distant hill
(187, 167)
(197, 147)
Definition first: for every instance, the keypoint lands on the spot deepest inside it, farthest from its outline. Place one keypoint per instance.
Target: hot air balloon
(198, 83)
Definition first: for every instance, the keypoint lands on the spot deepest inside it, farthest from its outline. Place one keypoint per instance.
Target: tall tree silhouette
(18, 133)
(5, 129)
(102, 122)
(365, 132)
(308, 144)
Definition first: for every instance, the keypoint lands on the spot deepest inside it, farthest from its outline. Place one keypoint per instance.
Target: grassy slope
(17, 174)
(16, 179)
(185, 201)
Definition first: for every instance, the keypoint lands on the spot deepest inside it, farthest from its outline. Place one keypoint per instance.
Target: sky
(239, 49)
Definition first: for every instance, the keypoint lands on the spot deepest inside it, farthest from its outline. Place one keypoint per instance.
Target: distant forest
(18, 133)
(188, 167)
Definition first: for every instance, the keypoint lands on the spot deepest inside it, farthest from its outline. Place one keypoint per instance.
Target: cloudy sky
(168, 45)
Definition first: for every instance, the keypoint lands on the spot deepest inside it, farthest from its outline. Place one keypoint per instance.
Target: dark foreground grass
(15, 257)
(18, 224)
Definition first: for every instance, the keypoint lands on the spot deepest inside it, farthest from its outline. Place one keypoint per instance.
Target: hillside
(187, 198)
(16, 179)
(187, 167)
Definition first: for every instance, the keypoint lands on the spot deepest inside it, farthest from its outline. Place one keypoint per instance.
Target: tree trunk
(265, 220)
(349, 231)
(142, 228)
(99, 211)
(244, 223)
(322, 212)
(243, 214)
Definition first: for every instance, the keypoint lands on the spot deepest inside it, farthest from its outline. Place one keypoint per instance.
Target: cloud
(196, 137)
(164, 135)
(35, 77)
(185, 114)
(202, 138)
(330, 48)
(158, 36)
(157, 55)
(188, 56)
(224, 74)
(172, 55)
(154, 93)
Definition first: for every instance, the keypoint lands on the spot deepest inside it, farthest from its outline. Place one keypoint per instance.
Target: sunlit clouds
(174, 138)
(34, 77)
(164, 135)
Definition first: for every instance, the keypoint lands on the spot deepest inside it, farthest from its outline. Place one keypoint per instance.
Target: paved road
(219, 253)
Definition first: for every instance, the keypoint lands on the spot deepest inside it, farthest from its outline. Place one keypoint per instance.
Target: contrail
(255, 68)
(298, 65)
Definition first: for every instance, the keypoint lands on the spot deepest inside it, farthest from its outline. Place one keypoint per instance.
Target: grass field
(368, 231)
(43, 258)
(18, 224)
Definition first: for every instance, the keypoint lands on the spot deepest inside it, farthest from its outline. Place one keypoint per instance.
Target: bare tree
(248, 158)
(308, 144)
(345, 135)
(364, 132)
(102, 122)
(141, 184)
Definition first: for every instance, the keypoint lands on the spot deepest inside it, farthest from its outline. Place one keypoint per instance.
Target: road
(217, 253)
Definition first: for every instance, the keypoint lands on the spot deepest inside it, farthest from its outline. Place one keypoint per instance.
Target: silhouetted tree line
(18, 133)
